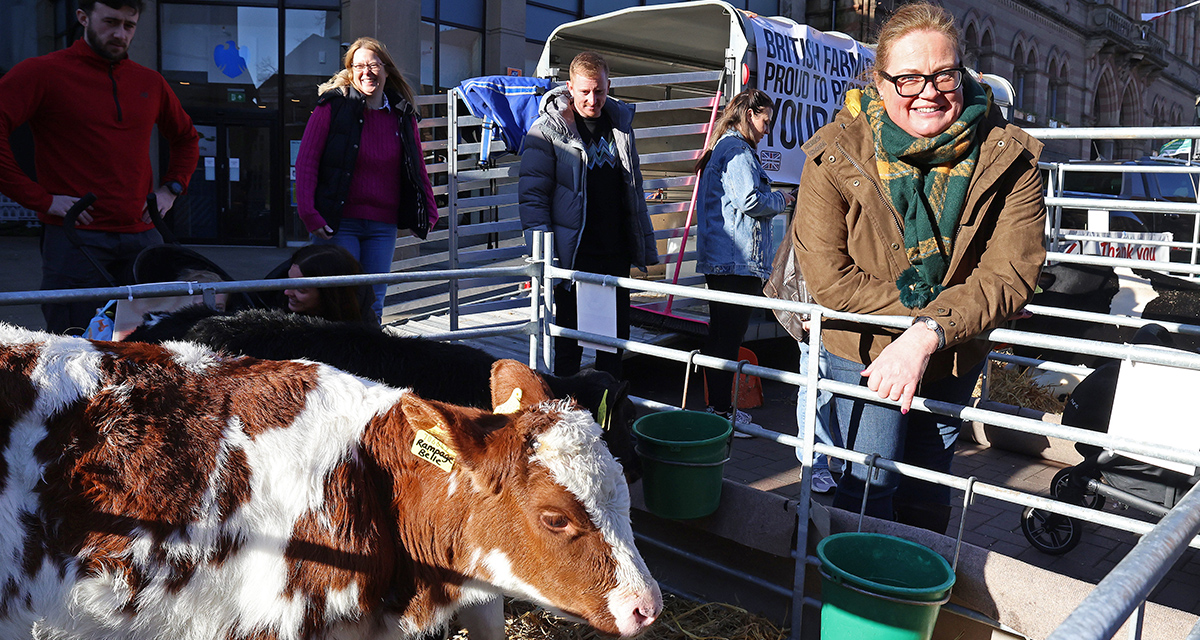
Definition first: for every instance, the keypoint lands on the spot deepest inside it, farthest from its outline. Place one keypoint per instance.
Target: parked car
(1136, 185)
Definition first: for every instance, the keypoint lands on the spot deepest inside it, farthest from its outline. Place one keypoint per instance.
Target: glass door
(233, 192)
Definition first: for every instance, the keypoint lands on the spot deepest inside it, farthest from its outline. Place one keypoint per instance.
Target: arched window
(987, 51)
(1057, 96)
(971, 44)
(1028, 97)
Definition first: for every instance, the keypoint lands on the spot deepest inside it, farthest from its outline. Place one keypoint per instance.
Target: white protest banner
(1108, 243)
(806, 73)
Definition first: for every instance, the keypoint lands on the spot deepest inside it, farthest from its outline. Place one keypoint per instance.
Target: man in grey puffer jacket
(581, 179)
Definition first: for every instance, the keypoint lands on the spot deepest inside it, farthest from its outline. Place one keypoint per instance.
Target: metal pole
(535, 300)
(547, 302)
(452, 196)
(806, 463)
(1110, 604)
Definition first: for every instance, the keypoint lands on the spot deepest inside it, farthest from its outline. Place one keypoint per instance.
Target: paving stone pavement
(991, 524)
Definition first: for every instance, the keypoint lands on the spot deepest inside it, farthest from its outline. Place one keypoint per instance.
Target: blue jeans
(918, 438)
(373, 244)
(823, 434)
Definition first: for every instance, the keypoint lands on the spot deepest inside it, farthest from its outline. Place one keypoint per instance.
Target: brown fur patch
(17, 393)
(348, 541)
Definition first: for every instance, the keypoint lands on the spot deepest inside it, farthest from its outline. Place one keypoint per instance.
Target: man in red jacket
(91, 111)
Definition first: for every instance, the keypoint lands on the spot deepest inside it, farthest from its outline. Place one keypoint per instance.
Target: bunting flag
(1146, 17)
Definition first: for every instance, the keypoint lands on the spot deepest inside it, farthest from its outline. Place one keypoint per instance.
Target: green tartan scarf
(927, 180)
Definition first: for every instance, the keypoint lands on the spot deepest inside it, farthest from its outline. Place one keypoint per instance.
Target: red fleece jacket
(91, 120)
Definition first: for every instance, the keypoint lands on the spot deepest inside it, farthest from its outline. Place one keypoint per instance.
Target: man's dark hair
(137, 5)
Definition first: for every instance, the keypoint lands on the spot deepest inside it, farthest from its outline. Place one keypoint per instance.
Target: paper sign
(597, 312)
(235, 169)
(210, 168)
(428, 448)
(1154, 404)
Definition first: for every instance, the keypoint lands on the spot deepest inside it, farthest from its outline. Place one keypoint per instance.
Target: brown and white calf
(170, 492)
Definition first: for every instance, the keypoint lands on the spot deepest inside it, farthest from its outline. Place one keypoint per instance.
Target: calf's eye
(554, 521)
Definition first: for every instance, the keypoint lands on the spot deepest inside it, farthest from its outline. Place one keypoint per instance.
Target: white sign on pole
(1108, 243)
(597, 312)
(806, 73)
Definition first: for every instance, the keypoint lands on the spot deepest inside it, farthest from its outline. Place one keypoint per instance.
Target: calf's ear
(516, 386)
(423, 416)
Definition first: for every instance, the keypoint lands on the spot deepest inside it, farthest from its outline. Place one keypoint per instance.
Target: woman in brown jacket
(920, 200)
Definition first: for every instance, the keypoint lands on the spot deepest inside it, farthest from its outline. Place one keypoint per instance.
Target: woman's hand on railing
(896, 374)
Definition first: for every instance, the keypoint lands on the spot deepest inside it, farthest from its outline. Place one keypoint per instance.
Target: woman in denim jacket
(735, 208)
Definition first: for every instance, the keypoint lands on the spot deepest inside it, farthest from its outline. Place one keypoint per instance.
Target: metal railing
(1057, 171)
(1120, 593)
(1152, 556)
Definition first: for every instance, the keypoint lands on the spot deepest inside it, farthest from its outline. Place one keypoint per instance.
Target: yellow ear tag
(512, 405)
(427, 447)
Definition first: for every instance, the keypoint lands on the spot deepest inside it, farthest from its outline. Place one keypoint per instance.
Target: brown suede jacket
(849, 242)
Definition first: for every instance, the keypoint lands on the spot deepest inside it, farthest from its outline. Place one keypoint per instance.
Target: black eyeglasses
(373, 66)
(910, 85)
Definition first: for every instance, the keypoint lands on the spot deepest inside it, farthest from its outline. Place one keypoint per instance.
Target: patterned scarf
(927, 180)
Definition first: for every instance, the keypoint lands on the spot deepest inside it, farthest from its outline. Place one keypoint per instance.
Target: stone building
(1076, 63)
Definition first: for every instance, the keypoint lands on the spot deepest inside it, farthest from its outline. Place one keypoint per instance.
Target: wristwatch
(175, 187)
(933, 326)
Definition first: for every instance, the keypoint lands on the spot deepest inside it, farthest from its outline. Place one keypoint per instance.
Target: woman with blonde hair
(919, 200)
(733, 237)
(360, 171)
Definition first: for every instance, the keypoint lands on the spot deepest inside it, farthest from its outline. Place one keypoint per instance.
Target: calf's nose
(641, 611)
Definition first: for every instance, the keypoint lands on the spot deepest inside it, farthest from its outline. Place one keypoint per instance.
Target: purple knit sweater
(374, 189)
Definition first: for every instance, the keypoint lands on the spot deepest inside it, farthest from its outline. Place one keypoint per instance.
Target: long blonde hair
(395, 80)
(736, 116)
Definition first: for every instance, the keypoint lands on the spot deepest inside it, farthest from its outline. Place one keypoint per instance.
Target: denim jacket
(734, 211)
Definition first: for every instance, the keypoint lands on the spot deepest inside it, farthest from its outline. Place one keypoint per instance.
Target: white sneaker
(822, 481)
(742, 418)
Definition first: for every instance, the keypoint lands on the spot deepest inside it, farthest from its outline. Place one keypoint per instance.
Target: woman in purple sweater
(360, 172)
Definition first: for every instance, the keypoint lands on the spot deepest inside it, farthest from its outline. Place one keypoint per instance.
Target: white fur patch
(243, 594)
(193, 357)
(576, 457)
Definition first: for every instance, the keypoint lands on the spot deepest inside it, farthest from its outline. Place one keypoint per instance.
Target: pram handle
(156, 217)
(79, 207)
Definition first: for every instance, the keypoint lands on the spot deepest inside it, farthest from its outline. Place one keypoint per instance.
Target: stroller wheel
(1050, 532)
(1063, 488)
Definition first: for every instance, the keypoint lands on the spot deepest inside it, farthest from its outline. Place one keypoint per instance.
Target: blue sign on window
(229, 60)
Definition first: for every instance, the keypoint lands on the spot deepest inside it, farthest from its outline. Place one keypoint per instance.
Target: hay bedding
(681, 620)
(1015, 386)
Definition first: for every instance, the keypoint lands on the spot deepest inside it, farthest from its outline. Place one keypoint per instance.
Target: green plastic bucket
(881, 587)
(683, 459)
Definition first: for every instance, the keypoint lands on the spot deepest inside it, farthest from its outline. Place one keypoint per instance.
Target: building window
(451, 42)
(1058, 93)
(18, 41)
(241, 71)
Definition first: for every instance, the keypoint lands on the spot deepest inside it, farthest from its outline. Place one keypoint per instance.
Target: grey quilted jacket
(553, 184)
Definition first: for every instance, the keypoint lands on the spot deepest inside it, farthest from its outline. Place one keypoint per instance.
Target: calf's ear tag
(427, 447)
(512, 405)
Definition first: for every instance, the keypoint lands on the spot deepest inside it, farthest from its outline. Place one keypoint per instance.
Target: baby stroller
(167, 262)
(1103, 475)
